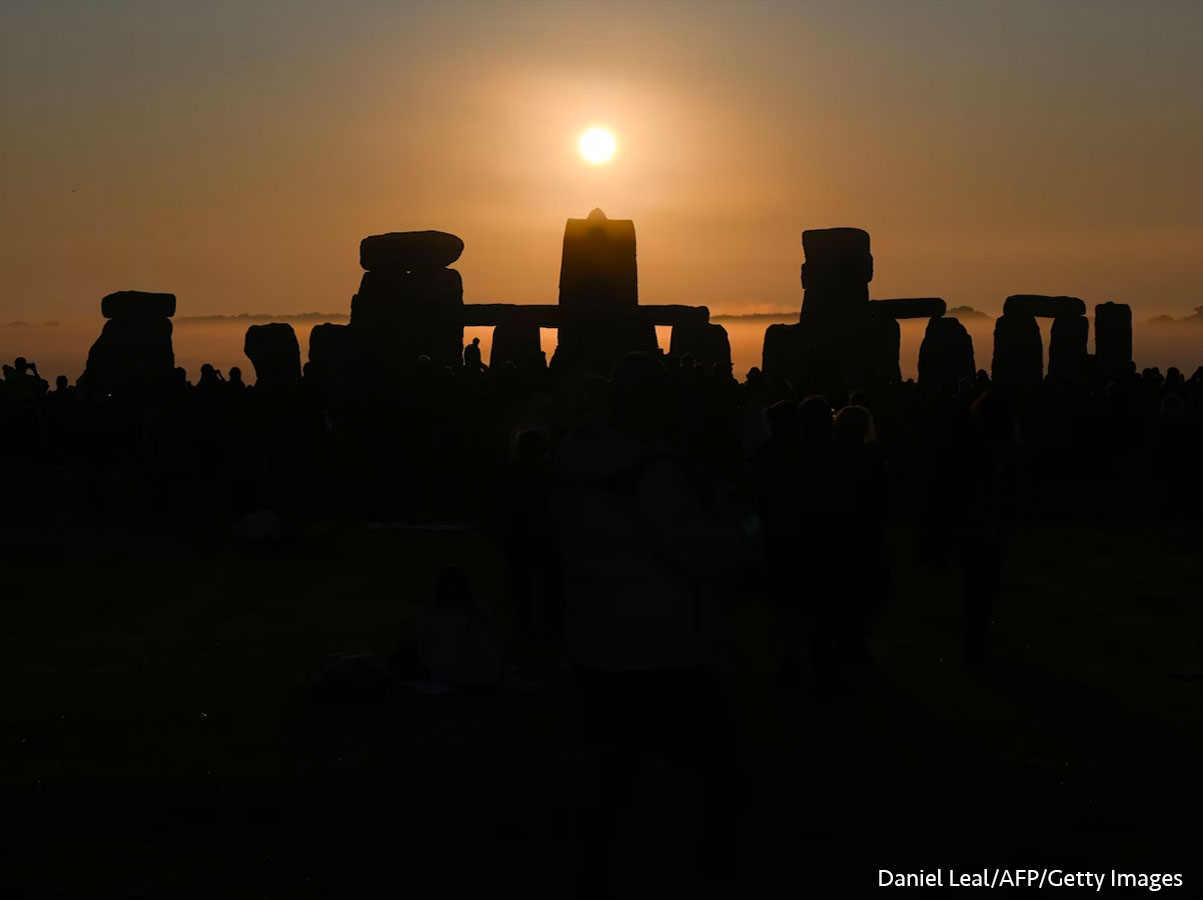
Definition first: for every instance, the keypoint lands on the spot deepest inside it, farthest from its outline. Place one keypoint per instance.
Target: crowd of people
(629, 506)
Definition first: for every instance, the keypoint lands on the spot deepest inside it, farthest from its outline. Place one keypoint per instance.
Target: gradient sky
(236, 152)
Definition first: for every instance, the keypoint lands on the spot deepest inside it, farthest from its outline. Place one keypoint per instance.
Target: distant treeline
(269, 317)
(961, 312)
(1195, 319)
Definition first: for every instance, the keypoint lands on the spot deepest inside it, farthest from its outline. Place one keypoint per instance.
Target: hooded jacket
(642, 553)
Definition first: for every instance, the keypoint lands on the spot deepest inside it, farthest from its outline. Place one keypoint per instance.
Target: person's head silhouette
(853, 427)
(639, 394)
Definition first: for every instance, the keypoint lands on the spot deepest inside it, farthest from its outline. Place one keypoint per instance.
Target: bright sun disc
(597, 145)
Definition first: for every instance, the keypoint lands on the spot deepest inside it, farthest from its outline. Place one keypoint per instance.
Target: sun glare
(597, 146)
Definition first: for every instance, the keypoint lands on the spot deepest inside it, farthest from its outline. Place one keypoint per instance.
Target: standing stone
(276, 355)
(1018, 364)
(832, 349)
(883, 344)
(516, 342)
(1068, 359)
(1113, 339)
(133, 356)
(946, 354)
(599, 294)
(836, 274)
(330, 347)
(706, 342)
(408, 304)
(781, 351)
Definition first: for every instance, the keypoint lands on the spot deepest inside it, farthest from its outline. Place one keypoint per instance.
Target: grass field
(151, 695)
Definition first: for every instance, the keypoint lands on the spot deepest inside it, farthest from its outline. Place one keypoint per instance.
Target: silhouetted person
(776, 468)
(456, 637)
(991, 506)
(23, 385)
(643, 552)
(472, 360)
(24, 390)
(859, 553)
(528, 536)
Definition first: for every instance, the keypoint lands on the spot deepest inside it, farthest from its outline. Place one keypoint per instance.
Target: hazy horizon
(63, 349)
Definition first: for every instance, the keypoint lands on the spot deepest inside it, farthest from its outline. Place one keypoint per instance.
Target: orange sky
(235, 152)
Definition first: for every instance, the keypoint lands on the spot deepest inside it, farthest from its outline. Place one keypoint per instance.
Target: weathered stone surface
(1018, 363)
(1043, 307)
(946, 354)
(907, 308)
(409, 250)
(1113, 338)
(707, 343)
(1067, 353)
(137, 304)
(275, 353)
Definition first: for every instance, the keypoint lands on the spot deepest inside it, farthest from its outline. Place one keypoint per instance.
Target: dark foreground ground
(152, 740)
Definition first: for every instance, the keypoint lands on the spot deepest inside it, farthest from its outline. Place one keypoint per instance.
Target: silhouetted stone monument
(1068, 359)
(946, 354)
(133, 354)
(516, 342)
(409, 251)
(599, 294)
(276, 355)
(330, 348)
(1112, 339)
(409, 304)
(829, 350)
(1043, 307)
(842, 340)
(882, 346)
(706, 342)
(1018, 363)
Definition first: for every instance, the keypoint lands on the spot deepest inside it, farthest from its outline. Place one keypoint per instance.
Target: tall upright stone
(1068, 358)
(133, 356)
(1018, 363)
(946, 354)
(599, 294)
(706, 342)
(882, 347)
(273, 350)
(409, 304)
(831, 350)
(1112, 339)
(519, 343)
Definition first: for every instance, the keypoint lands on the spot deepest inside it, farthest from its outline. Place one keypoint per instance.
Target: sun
(597, 146)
